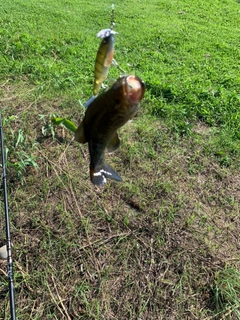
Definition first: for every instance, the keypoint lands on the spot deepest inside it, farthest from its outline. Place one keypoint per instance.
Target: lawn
(164, 243)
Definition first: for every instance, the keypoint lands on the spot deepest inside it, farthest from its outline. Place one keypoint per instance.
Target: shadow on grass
(161, 92)
(59, 139)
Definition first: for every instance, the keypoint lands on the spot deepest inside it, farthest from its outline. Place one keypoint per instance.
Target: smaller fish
(104, 58)
(104, 116)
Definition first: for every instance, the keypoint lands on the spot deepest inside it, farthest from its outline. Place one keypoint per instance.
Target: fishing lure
(104, 58)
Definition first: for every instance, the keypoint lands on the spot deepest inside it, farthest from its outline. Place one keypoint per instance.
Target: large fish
(104, 58)
(104, 116)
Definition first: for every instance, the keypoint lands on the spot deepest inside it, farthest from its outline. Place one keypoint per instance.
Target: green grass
(164, 243)
(226, 292)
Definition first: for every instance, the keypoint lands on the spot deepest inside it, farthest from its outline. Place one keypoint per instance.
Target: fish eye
(117, 101)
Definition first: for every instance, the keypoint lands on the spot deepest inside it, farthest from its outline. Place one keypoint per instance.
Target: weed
(47, 127)
(17, 156)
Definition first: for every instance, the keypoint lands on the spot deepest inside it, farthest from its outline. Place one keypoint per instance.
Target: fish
(108, 112)
(104, 58)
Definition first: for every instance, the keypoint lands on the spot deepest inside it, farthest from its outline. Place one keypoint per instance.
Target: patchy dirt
(147, 248)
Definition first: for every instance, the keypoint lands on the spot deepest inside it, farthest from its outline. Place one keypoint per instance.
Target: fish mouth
(135, 88)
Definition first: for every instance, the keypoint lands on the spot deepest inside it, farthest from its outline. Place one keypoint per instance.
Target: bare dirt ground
(148, 248)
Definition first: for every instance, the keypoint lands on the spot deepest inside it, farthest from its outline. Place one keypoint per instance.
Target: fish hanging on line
(104, 58)
(104, 116)
(103, 61)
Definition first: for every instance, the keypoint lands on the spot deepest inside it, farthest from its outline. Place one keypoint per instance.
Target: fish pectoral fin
(114, 143)
(101, 172)
(80, 135)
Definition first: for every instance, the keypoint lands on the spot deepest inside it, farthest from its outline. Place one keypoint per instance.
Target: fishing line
(112, 24)
(6, 250)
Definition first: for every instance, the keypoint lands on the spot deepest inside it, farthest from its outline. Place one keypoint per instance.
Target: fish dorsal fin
(79, 134)
(114, 143)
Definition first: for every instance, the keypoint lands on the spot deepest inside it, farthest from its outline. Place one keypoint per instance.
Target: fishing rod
(6, 251)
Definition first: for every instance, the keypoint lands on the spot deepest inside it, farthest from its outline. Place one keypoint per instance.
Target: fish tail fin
(102, 171)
